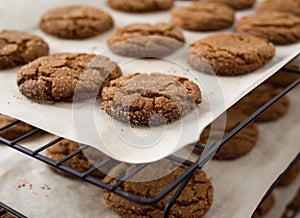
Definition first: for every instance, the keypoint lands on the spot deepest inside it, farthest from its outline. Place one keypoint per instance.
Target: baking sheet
(91, 125)
(238, 185)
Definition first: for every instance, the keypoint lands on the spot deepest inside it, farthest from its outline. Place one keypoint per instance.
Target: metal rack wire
(6, 210)
(178, 184)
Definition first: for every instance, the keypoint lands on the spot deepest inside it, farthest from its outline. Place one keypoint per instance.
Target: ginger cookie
(76, 22)
(194, 201)
(277, 27)
(258, 97)
(235, 4)
(154, 99)
(288, 6)
(202, 16)
(291, 175)
(283, 79)
(264, 207)
(139, 6)
(239, 145)
(66, 77)
(81, 162)
(230, 54)
(18, 48)
(14, 131)
(146, 40)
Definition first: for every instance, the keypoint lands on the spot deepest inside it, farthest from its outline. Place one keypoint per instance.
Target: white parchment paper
(238, 185)
(123, 142)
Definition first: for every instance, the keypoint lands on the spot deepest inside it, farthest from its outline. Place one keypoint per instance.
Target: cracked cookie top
(277, 27)
(150, 99)
(18, 48)
(146, 40)
(194, 201)
(66, 77)
(230, 54)
(76, 22)
(141, 5)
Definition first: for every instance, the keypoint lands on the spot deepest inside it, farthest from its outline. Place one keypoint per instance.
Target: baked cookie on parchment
(76, 22)
(141, 5)
(18, 48)
(150, 99)
(202, 16)
(235, 4)
(288, 6)
(264, 207)
(66, 77)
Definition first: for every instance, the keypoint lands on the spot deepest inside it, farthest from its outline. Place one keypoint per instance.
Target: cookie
(15, 131)
(66, 77)
(18, 48)
(264, 207)
(283, 78)
(239, 145)
(194, 201)
(277, 27)
(201, 16)
(258, 97)
(141, 5)
(288, 6)
(76, 22)
(229, 54)
(291, 175)
(235, 4)
(146, 40)
(154, 99)
(295, 203)
(81, 162)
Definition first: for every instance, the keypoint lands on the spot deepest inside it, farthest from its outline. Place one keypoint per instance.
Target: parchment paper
(238, 185)
(120, 141)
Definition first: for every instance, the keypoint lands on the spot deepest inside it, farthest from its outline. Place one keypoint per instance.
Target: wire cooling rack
(8, 211)
(178, 184)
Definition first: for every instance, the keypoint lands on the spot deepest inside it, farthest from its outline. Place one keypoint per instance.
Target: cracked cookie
(230, 54)
(150, 99)
(258, 97)
(81, 162)
(141, 5)
(18, 48)
(277, 27)
(146, 40)
(239, 145)
(235, 4)
(66, 77)
(288, 6)
(194, 201)
(201, 16)
(14, 131)
(76, 22)
(264, 207)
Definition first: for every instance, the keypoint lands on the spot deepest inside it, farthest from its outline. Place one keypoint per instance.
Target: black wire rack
(178, 184)
(6, 210)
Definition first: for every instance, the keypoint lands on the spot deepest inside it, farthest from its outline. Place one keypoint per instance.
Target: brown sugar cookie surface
(146, 40)
(76, 22)
(154, 99)
(14, 131)
(288, 6)
(66, 77)
(141, 5)
(239, 145)
(277, 27)
(18, 48)
(235, 4)
(81, 162)
(229, 54)
(202, 16)
(194, 201)
(258, 97)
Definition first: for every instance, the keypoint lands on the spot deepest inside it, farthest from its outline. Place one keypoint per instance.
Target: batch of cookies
(137, 98)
